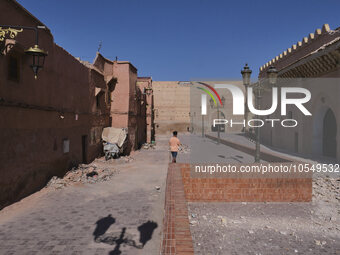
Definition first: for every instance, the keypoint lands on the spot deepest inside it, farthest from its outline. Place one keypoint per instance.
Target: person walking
(174, 144)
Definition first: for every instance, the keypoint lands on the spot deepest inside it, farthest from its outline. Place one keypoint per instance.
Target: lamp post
(218, 126)
(258, 89)
(192, 115)
(212, 103)
(38, 55)
(202, 125)
(218, 116)
(246, 73)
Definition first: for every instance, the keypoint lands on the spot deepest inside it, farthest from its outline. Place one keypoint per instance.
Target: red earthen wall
(146, 83)
(37, 115)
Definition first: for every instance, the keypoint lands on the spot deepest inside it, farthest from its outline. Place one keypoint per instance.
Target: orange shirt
(174, 143)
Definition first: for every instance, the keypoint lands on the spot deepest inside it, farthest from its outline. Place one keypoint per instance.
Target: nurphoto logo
(239, 100)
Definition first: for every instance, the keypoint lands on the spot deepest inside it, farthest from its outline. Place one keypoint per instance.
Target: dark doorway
(329, 134)
(84, 148)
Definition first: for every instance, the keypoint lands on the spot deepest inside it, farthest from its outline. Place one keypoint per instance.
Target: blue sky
(184, 39)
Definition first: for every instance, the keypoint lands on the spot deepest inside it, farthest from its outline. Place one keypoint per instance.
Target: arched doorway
(329, 134)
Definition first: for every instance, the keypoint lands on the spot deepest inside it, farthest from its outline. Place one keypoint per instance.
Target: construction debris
(125, 159)
(147, 146)
(326, 189)
(82, 174)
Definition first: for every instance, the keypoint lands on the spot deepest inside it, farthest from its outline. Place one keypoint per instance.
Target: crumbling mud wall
(45, 123)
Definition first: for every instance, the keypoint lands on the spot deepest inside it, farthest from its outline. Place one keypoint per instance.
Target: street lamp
(272, 75)
(258, 90)
(38, 55)
(246, 73)
(211, 101)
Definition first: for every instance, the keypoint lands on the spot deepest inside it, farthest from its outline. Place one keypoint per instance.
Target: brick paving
(176, 235)
(122, 213)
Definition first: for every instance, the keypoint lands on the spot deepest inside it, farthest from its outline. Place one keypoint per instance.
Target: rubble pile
(326, 198)
(125, 159)
(82, 174)
(148, 146)
(326, 189)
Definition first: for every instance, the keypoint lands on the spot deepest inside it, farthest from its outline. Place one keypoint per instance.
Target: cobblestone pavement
(113, 217)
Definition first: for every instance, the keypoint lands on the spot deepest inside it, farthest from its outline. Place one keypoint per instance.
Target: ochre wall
(171, 106)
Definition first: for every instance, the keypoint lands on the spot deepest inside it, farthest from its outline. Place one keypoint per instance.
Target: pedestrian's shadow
(146, 231)
(122, 238)
(103, 225)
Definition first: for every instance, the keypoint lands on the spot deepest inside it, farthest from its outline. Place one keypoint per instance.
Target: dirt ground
(270, 228)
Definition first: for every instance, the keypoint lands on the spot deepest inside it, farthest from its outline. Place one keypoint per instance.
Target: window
(13, 68)
(97, 101)
(66, 146)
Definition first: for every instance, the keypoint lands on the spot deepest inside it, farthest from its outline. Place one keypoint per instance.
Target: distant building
(177, 107)
(316, 56)
(171, 107)
(128, 102)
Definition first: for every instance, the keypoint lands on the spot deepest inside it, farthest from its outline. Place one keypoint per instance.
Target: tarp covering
(114, 135)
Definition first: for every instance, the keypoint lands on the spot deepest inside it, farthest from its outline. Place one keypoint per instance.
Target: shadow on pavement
(146, 231)
(122, 238)
(102, 226)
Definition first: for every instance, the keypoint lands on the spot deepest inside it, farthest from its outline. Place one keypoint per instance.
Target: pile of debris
(122, 160)
(82, 174)
(326, 189)
(147, 146)
(326, 200)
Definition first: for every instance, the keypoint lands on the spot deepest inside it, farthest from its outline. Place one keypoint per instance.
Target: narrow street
(113, 217)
